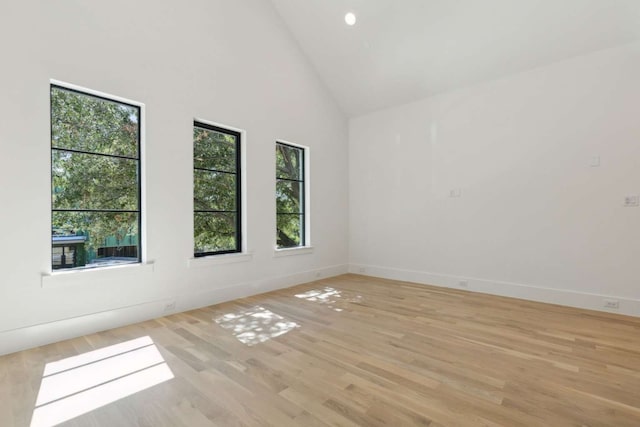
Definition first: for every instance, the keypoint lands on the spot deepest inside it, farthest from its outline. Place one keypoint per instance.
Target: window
(95, 180)
(290, 196)
(216, 190)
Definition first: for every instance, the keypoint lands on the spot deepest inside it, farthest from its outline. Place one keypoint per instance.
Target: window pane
(87, 181)
(98, 238)
(288, 196)
(86, 123)
(216, 188)
(289, 162)
(214, 150)
(290, 230)
(215, 232)
(214, 191)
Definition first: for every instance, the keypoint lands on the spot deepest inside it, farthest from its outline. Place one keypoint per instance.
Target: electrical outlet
(170, 307)
(631, 201)
(612, 303)
(463, 283)
(318, 274)
(361, 270)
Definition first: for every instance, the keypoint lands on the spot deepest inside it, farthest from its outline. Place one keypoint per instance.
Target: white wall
(230, 62)
(534, 220)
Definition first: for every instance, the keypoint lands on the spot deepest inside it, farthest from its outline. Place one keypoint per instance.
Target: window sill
(78, 277)
(301, 250)
(219, 259)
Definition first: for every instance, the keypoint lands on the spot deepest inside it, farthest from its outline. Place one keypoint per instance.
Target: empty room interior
(320, 213)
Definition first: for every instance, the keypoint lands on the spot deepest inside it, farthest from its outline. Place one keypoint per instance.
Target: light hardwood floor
(345, 351)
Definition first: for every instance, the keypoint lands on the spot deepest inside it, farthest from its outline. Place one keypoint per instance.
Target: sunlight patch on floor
(334, 299)
(255, 325)
(80, 384)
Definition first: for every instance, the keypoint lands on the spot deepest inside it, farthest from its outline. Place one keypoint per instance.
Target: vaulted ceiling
(403, 50)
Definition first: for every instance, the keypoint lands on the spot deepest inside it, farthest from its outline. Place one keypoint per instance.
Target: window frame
(305, 235)
(238, 134)
(140, 134)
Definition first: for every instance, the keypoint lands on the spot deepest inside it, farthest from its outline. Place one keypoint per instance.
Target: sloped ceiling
(404, 50)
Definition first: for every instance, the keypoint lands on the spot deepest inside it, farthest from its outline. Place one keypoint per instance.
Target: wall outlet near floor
(318, 274)
(463, 284)
(631, 201)
(170, 307)
(362, 270)
(612, 303)
(456, 192)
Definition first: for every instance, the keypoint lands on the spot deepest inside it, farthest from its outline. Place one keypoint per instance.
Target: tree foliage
(95, 177)
(289, 195)
(90, 190)
(215, 190)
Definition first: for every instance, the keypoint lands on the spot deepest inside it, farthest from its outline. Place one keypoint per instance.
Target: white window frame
(49, 277)
(245, 255)
(307, 248)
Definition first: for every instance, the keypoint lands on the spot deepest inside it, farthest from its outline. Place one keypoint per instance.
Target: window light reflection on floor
(80, 384)
(333, 298)
(255, 325)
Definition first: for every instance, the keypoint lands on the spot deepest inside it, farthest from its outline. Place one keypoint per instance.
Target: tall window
(290, 195)
(95, 185)
(216, 190)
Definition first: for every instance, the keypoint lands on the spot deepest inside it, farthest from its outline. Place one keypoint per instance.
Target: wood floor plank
(355, 351)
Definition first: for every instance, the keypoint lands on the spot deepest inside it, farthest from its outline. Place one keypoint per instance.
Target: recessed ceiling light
(350, 18)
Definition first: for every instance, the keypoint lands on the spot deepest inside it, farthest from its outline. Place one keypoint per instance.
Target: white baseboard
(46, 333)
(241, 290)
(590, 301)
